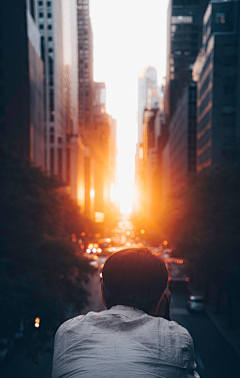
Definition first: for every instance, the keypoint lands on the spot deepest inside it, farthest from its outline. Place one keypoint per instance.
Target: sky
(128, 35)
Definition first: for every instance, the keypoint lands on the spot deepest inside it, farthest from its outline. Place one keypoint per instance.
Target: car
(177, 269)
(196, 303)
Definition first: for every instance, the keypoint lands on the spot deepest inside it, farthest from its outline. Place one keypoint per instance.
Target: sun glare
(124, 190)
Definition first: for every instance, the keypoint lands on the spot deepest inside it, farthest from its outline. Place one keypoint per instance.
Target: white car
(196, 303)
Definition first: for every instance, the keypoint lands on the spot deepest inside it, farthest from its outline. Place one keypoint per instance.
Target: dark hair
(134, 277)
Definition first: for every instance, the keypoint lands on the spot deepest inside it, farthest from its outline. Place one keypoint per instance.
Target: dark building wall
(224, 131)
(14, 66)
(21, 80)
(184, 42)
(36, 107)
(182, 138)
(217, 75)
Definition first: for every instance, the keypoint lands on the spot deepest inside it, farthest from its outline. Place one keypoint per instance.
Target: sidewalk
(221, 322)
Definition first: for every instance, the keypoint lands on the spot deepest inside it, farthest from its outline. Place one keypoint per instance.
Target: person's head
(135, 277)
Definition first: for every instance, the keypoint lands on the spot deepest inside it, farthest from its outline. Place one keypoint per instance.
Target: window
(60, 162)
(182, 19)
(52, 138)
(51, 81)
(229, 90)
(52, 161)
(49, 27)
(68, 166)
(51, 104)
(220, 18)
(50, 65)
(32, 9)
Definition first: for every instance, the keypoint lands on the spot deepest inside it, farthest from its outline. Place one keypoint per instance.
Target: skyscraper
(184, 41)
(85, 69)
(50, 26)
(147, 98)
(64, 150)
(21, 81)
(218, 87)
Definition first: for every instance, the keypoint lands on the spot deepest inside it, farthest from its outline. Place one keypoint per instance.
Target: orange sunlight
(125, 166)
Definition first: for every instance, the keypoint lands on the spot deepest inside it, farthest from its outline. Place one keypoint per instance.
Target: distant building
(154, 139)
(21, 81)
(148, 98)
(102, 146)
(184, 41)
(147, 78)
(217, 74)
(179, 156)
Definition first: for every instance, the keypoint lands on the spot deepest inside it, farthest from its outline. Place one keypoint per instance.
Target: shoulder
(72, 325)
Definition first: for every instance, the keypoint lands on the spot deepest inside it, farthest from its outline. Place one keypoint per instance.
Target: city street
(214, 357)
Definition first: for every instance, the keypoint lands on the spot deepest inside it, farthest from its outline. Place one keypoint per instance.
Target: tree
(41, 274)
(202, 220)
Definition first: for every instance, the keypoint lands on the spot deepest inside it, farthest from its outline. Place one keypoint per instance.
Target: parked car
(196, 303)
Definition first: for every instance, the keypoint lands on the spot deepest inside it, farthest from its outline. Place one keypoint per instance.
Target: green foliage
(41, 273)
(202, 222)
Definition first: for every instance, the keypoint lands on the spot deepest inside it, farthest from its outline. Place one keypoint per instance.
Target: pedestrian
(134, 337)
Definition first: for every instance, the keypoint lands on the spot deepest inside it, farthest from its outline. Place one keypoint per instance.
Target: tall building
(147, 78)
(154, 139)
(21, 81)
(148, 97)
(218, 87)
(74, 147)
(64, 150)
(180, 151)
(85, 69)
(100, 146)
(184, 41)
(50, 27)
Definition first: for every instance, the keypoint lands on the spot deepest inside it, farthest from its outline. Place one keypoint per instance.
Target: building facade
(85, 69)
(21, 81)
(180, 151)
(184, 33)
(216, 71)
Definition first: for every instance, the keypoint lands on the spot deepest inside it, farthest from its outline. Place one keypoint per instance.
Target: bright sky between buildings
(128, 35)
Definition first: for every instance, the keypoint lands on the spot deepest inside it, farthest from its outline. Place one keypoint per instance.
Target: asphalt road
(214, 357)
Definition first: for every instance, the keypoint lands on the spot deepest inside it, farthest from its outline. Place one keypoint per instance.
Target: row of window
(41, 3)
(205, 66)
(205, 103)
(41, 15)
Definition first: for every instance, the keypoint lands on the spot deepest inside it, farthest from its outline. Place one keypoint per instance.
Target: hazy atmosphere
(119, 188)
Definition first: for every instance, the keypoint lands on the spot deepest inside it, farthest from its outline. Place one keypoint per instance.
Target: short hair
(135, 277)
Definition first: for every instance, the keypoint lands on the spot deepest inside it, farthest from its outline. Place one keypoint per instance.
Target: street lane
(214, 357)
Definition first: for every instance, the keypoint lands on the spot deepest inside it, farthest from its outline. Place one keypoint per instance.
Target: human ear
(103, 299)
(164, 301)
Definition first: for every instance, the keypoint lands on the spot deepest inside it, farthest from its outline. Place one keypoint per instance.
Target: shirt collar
(123, 309)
